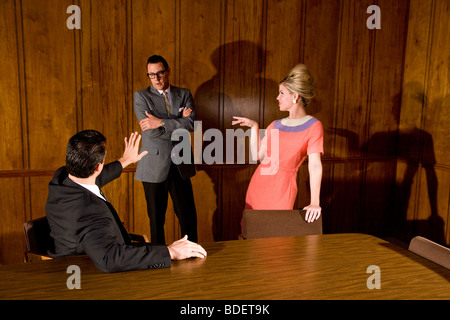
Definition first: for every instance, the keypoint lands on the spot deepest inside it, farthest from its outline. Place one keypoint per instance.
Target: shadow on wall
(411, 148)
(234, 90)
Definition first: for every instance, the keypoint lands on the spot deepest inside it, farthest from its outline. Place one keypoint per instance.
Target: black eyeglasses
(159, 74)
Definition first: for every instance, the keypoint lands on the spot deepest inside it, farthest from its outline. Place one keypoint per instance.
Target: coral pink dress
(274, 183)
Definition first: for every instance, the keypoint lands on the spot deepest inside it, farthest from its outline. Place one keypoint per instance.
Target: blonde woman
(285, 146)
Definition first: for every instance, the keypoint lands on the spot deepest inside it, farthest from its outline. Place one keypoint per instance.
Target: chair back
(430, 250)
(37, 236)
(278, 223)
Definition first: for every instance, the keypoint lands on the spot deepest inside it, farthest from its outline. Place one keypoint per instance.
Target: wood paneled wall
(382, 97)
(423, 168)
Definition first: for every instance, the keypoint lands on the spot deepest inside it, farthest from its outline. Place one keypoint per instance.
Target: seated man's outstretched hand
(184, 249)
(131, 152)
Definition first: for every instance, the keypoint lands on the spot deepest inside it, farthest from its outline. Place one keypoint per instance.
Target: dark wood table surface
(330, 266)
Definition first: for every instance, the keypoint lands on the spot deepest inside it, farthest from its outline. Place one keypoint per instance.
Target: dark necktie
(167, 102)
(103, 194)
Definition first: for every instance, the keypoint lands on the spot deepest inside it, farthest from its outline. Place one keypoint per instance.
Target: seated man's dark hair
(85, 151)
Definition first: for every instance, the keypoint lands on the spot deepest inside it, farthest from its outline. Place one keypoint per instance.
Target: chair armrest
(138, 237)
(34, 256)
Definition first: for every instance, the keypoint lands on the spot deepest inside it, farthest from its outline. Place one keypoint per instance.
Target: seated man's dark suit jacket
(82, 223)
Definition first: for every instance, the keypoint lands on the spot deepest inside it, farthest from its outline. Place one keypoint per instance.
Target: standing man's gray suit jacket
(155, 166)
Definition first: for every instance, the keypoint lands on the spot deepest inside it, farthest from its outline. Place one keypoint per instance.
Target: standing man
(161, 109)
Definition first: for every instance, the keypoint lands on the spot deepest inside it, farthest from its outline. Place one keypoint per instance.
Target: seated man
(83, 221)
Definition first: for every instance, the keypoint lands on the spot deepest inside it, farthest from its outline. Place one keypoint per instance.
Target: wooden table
(332, 266)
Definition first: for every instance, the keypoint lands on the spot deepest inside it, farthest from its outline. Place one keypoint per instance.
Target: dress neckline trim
(302, 127)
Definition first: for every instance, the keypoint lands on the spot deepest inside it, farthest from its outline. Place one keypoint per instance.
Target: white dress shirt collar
(167, 90)
(92, 188)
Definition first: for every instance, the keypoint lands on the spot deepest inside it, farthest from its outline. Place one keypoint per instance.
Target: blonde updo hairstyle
(300, 81)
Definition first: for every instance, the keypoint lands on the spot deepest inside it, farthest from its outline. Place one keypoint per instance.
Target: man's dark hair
(85, 151)
(158, 59)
